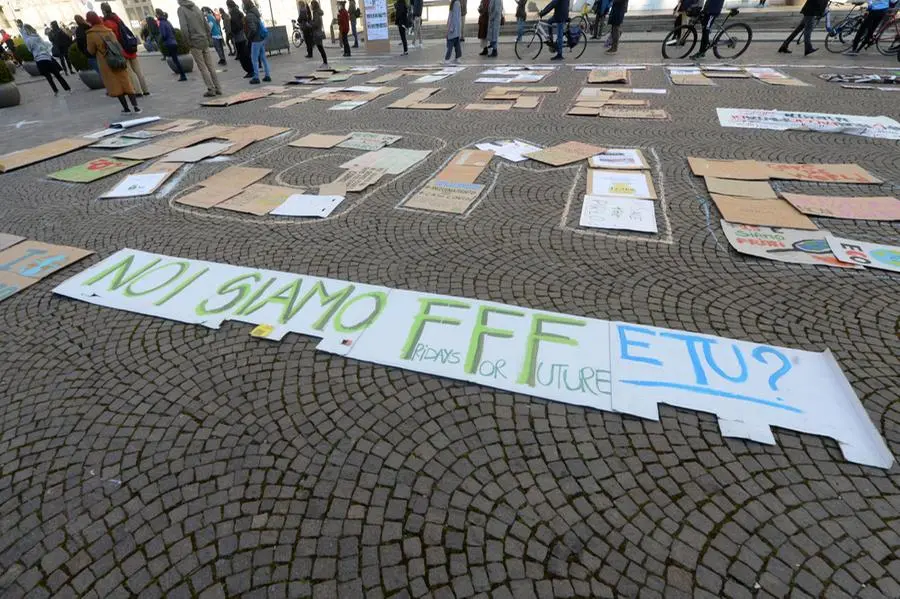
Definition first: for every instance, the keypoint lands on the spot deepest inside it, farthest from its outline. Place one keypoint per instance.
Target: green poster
(93, 170)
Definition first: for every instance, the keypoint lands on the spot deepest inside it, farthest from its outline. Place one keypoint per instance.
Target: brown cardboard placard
(181, 125)
(527, 102)
(387, 77)
(594, 94)
(630, 179)
(825, 173)
(36, 259)
(197, 152)
(235, 177)
(207, 197)
(335, 188)
(698, 79)
(636, 113)
(416, 100)
(745, 170)
(11, 284)
(259, 199)
(93, 170)
(14, 160)
(241, 137)
(582, 110)
(465, 166)
(318, 140)
(239, 98)
(169, 144)
(883, 208)
(565, 153)
(608, 76)
(760, 190)
(626, 102)
(359, 179)
(726, 74)
(7, 240)
(767, 213)
(291, 102)
(430, 106)
(445, 196)
(499, 106)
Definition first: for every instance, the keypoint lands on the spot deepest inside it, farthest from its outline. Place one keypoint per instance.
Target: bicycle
(734, 37)
(542, 35)
(841, 35)
(887, 38)
(297, 35)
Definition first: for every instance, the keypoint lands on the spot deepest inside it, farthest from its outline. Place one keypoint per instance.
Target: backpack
(129, 42)
(263, 31)
(114, 57)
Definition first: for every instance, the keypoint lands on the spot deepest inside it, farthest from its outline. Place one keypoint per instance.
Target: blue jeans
(520, 28)
(93, 62)
(258, 53)
(560, 32)
(453, 44)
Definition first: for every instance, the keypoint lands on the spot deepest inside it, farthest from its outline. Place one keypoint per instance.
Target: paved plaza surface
(145, 457)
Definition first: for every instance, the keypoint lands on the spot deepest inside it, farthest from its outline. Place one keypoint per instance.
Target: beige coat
(117, 83)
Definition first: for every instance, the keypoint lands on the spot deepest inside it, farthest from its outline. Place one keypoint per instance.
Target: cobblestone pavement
(143, 457)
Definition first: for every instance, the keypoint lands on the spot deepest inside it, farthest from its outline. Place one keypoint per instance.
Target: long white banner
(880, 127)
(600, 364)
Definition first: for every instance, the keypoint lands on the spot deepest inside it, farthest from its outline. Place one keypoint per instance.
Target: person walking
(167, 40)
(812, 11)
(401, 18)
(61, 40)
(521, 15)
(81, 29)
(417, 6)
(103, 44)
(256, 35)
(318, 30)
(215, 32)
(241, 44)
(863, 38)
(616, 17)
(483, 26)
(560, 10)
(454, 30)
(304, 21)
(344, 26)
(354, 14)
(495, 20)
(129, 44)
(196, 32)
(226, 29)
(43, 58)
(711, 11)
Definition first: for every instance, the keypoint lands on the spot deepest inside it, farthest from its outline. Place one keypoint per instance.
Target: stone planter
(31, 68)
(91, 79)
(9, 95)
(11, 66)
(186, 60)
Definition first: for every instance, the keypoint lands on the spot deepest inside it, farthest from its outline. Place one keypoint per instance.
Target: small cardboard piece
(494, 107)
(318, 140)
(7, 240)
(241, 137)
(14, 160)
(114, 143)
(416, 100)
(565, 153)
(582, 110)
(620, 159)
(608, 76)
(300, 204)
(176, 126)
(625, 184)
(745, 170)
(176, 142)
(239, 98)
(626, 102)
(223, 186)
(393, 160)
(760, 190)
(362, 140)
(465, 166)
(637, 113)
(883, 208)
(358, 179)
(291, 102)
(445, 196)
(93, 170)
(196, 153)
(527, 102)
(258, 199)
(767, 213)
(29, 261)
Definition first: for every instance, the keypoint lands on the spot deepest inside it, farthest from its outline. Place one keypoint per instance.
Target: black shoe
(254, 81)
(182, 78)
(698, 55)
(248, 75)
(483, 52)
(783, 50)
(557, 57)
(309, 55)
(345, 54)
(267, 79)
(810, 51)
(493, 54)
(223, 61)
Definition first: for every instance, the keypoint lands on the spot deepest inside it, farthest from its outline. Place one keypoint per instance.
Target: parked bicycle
(730, 41)
(841, 35)
(297, 35)
(534, 39)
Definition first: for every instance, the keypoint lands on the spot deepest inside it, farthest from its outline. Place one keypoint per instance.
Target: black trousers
(49, 69)
(346, 43)
(806, 26)
(708, 21)
(243, 52)
(868, 27)
(403, 36)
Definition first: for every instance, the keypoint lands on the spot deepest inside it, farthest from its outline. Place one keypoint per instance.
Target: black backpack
(129, 41)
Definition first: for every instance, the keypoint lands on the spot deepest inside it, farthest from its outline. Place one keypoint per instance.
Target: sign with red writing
(93, 170)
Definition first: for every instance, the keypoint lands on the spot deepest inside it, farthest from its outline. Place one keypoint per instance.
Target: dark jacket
(61, 40)
(252, 21)
(401, 13)
(304, 20)
(237, 25)
(417, 6)
(81, 38)
(521, 13)
(560, 10)
(166, 33)
(814, 8)
(713, 7)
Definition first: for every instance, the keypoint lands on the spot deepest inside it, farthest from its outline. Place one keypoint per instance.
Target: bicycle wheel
(680, 42)
(298, 38)
(574, 51)
(582, 22)
(888, 41)
(732, 41)
(531, 48)
(834, 42)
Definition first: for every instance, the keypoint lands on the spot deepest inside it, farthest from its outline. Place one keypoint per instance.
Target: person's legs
(353, 31)
(449, 47)
(787, 42)
(255, 51)
(321, 49)
(462, 28)
(172, 51)
(345, 43)
(520, 29)
(197, 54)
(220, 49)
(418, 21)
(62, 81)
(403, 37)
(134, 103)
(809, 23)
(211, 68)
(45, 69)
(124, 104)
(873, 17)
(243, 52)
(135, 65)
(615, 32)
(457, 48)
(704, 40)
(560, 34)
(66, 65)
(264, 61)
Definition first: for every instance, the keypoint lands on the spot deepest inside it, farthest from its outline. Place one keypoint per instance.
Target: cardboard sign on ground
(608, 76)
(241, 137)
(465, 166)
(27, 262)
(114, 143)
(565, 153)
(768, 213)
(393, 160)
(416, 100)
(582, 110)
(318, 140)
(93, 170)
(824, 173)
(605, 212)
(625, 184)
(513, 150)
(207, 197)
(445, 196)
(289, 103)
(300, 204)
(863, 253)
(527, 102)
(238, 98)
(335, 188)
(633, 113)
(196, 153)
(7, 240)
(22, 158)
(745, 170)
(495, 107)
(258, 199)
(760, 190)
(143, 134)
(625, 102)
(622, 159)
(176, 142)
(782, 245)
(863, 208)
(143, 183)
(176, 126)
(359, 179)
(362, 140)
(726, 74)
(688, 76)
(223, 186)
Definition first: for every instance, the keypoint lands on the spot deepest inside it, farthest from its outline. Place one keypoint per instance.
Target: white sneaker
(324, 65)
(455, 61)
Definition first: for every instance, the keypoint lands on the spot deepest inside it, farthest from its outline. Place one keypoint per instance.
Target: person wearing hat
(344, 25)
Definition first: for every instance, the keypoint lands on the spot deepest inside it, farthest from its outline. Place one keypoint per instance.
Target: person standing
(401, 18)
(215, 33)
(153, 30)
(256, 35)
(196, 32)
(616, 18)
(521, 15)
(344, 26)
(304, 21)
(239, 37)
(417, 6)
(483, 27)
(560, 10)
(129, 45)
(863, 38)
(61, 41)
(167, 40)
(495, 20)
(812, 11)
(81, 29)
(354, 14)
(226, 29)
(454, 29)
(318, 30)
(463, 5)
(103, 44)
(43, 58)
(711, 11)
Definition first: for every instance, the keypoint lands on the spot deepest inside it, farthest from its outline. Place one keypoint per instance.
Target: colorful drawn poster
(561, 357)
(93, 170)
(880, 127)
(863, 208)
(27, 262)
(782, 245)
(863, 253)
(604, 212)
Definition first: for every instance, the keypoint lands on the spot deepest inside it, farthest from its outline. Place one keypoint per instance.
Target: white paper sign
(880, 127)
(376, 19)
(560, 357)
(308, 205)
(513, 150)
(623, 158)
(348, 105)
(870, 255)
(620, 184)
(604, 212)
(136, 185)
